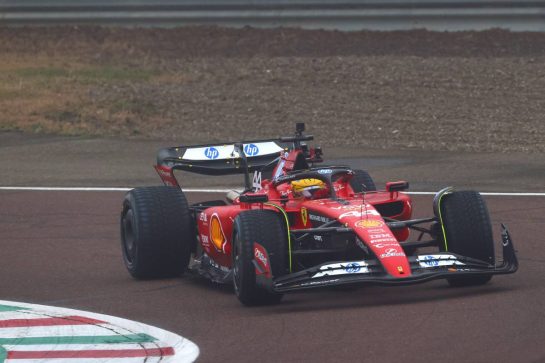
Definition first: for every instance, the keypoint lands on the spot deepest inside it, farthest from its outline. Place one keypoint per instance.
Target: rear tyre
(468, 232)
(266, 228)
(156, 232)
(362, 182)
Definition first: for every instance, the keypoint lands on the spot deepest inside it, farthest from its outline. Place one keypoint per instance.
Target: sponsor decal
(338, 187)
(392, 252)
(228, 151)
(251, 150)
(400, 269)
(384, 240)
(325, 171)
(204, 240)
(318, 238)
(342, 269)
(211, 152)
(383, 245)
(359, 214)
(430, 261)
(261, 148)
(217, 236)
(353, 268)
(202, 217)
(304, 215)
(352, 207)
(317, 218)
(164, 173)
(369, 223)
(261, 260)
(380, 235)
(261, 257)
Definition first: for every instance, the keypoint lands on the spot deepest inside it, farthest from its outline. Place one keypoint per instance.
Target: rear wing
(221, 158)
(232, 157)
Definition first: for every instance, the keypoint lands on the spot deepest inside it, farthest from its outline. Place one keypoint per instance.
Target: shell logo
(216, 233)
(369, 223)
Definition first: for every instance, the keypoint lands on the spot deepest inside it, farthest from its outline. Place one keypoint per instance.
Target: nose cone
(378, 237)
(369, 226)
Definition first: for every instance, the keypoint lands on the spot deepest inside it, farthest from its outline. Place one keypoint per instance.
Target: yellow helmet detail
(307, 184)
(309, 188)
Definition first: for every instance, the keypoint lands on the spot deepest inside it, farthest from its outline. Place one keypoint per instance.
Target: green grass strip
(97, 339)
(4, 308)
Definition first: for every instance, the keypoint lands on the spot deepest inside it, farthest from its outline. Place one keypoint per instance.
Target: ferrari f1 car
(299, 226)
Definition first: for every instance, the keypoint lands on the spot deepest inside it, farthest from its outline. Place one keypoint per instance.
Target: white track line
(490, 194)
(222, 190)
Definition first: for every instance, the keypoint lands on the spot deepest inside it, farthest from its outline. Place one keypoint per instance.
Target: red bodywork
(358, 212)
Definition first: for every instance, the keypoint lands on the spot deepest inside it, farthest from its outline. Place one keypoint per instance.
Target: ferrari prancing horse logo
(304, 215)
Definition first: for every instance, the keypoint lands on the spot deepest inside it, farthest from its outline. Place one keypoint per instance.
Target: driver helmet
(309, 188)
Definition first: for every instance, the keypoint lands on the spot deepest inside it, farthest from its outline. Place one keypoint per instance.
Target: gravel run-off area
(461, 91)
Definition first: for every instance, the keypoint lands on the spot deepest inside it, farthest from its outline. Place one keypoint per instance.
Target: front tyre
(266, 228)
(467, 232)
(156, 232)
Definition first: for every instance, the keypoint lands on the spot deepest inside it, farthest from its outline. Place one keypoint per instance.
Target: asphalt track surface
(62, 248)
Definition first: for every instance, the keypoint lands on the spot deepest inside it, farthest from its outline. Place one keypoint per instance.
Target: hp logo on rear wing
(251, 150)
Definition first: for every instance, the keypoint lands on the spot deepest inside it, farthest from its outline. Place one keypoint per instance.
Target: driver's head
(309, 188)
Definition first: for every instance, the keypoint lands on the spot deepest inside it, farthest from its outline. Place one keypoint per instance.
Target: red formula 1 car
(297, 226)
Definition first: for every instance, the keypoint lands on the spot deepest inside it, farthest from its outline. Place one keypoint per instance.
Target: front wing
(424, 268)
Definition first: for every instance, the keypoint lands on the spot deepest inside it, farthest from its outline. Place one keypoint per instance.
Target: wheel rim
(129, 245)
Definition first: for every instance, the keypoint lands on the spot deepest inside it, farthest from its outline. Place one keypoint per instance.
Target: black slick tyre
(156, 232)
(268, 229)
(362, 182)
(468, 232)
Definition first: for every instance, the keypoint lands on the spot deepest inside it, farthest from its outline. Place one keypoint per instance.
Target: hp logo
(431, 261)
(251, 150)
(211, 153)
(352, 268)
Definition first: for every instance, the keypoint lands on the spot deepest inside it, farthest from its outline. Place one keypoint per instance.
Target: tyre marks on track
(38, 333)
